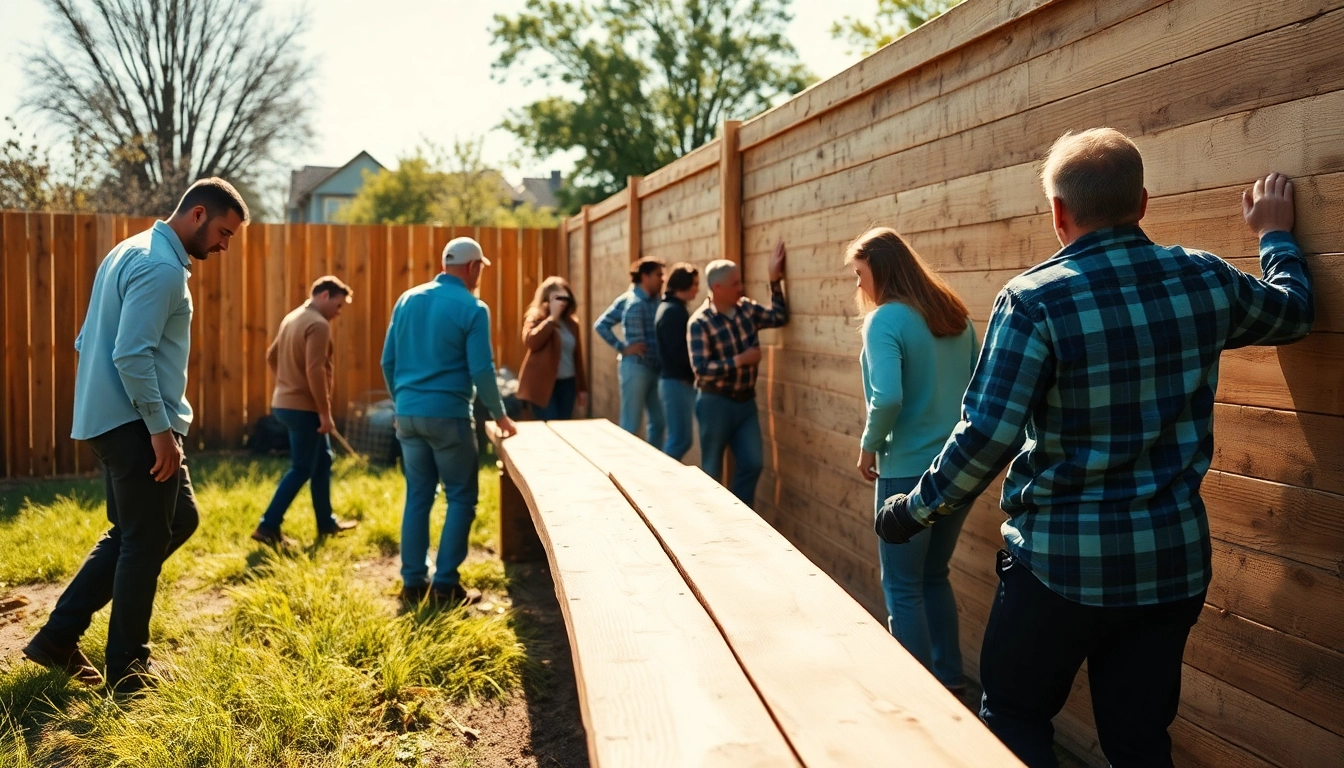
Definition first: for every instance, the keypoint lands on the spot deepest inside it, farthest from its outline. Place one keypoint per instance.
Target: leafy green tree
(894, 19)
(652, 79)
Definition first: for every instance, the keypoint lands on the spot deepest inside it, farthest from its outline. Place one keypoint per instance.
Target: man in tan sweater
(301, 360)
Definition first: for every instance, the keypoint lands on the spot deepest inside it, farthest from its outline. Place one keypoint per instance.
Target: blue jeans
(639, 394)
(921, 607)
(436, 451)
(309, 462)
(726, 423)
(561, 407)
(679, 407)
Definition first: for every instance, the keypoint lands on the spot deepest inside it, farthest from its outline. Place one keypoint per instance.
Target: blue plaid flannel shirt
(715, 339)
(1106, 357)
(635, 311)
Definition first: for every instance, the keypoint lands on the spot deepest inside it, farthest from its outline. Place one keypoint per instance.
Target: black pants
(150, 520)
(1035, 643)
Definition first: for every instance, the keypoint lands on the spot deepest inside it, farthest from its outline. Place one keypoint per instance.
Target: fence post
(588, 300)
(632, 220)
(730, 193)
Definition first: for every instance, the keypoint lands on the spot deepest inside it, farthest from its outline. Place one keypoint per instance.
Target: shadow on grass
(548, 676)
(13, 494)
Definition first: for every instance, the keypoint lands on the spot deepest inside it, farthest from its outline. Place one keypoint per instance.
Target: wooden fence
(940, 136)
(47, 265)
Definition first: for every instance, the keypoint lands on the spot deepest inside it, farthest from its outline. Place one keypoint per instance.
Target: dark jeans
(561, 407)
(1035, 643)
(150, 520)
(730, 424)
(310, 462)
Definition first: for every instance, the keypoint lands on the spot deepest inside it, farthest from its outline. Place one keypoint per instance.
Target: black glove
(894, 523)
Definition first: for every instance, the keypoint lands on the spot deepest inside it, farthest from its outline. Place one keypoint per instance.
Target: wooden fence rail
(47, 265)
(940, 136)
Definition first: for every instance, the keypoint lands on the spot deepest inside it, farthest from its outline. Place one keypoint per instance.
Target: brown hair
(216, 195)
(331, 284)
(1099, 176)
(681, 278)
(644, 266)
(899, 274)
(543, 295)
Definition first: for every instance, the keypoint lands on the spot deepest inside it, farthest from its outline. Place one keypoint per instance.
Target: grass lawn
(299, 658)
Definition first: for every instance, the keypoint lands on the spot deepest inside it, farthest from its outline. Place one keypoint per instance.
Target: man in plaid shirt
(725, 354)
(1106, 357)
(635, 311)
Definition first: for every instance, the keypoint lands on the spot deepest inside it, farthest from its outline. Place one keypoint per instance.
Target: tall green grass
(306, 666)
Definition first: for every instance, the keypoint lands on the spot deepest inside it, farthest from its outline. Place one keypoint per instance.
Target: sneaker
(273, 537)
(341, 527)
(70, 660)
(455, 596)
(141, 676)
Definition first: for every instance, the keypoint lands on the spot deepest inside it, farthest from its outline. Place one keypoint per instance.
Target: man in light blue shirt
(635, 311)
(131, 405)
(436, 358)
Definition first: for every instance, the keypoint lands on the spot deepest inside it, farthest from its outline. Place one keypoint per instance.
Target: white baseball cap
(463, 250)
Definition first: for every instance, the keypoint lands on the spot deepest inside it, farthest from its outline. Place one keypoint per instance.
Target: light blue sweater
(912, 385)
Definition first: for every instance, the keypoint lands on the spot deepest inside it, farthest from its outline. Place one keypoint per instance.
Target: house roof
(308, 178)
(540, 193)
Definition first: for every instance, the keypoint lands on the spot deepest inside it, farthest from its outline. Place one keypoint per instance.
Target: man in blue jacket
(131, 406)
(436, 359)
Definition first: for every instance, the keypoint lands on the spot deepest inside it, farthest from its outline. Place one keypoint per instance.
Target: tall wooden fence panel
(47, 266)
(940, 135)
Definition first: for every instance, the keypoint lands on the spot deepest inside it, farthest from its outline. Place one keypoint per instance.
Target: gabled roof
(308, 178)
(540, 193)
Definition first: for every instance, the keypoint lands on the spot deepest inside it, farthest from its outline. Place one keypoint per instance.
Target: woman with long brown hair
(919, 349)
(552, 377)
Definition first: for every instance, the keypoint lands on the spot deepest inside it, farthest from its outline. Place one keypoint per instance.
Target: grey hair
(718, 270)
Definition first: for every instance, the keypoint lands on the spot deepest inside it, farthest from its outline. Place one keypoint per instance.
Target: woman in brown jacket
(552, 377)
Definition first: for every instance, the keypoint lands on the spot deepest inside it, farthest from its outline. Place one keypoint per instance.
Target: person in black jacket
(676, 385)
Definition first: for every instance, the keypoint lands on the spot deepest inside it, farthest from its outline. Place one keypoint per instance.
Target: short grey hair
(1099, 176)
(719, 270)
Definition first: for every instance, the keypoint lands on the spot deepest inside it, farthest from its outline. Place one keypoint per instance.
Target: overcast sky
(393, 71)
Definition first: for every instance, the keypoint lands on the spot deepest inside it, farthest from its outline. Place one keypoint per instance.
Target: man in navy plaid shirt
(635, 311)
(1105, 358)
(725, 354)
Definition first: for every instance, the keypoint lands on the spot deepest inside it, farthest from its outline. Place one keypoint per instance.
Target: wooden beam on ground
(657, 683)
(842, 689)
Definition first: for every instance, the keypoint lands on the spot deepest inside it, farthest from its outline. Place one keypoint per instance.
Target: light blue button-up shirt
(136, 338)
(437, 352)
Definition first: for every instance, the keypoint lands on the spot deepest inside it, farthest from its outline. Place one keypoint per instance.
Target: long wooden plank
(657, 683)
(960, 26)
(16, 343)
(842, 689)
(65, 288)
(1166, 35)
(703, 157)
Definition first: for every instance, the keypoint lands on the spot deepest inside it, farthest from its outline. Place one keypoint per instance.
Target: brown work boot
(141, 676)
(69, 660)
(273, 537)
(341, 527)
(414, 595)
(454, 596)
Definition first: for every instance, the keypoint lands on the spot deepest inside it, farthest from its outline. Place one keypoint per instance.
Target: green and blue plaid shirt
(635, 311)
(1105, 358)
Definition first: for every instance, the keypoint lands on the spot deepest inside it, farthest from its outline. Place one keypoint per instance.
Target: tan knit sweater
(301, 359)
